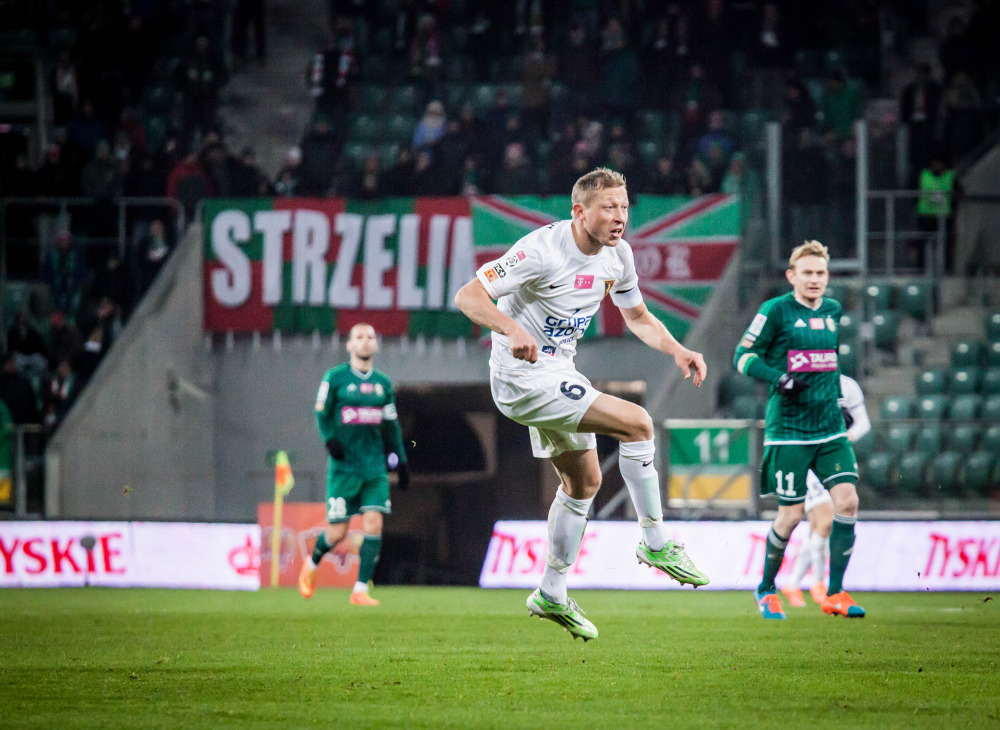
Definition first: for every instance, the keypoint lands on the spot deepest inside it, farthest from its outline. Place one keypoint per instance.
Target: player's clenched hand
(522, 345)
(692, 364)
(335, 449)
(790, 386)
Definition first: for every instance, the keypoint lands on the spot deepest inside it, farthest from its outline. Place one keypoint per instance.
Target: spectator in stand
(431, 127)
(473, 178)
(56, 177)
(104, 327)
(935, 208)
(289, 178)
(955, 51)
(665, 179)
(426, 176)
(961, 119)
(452, 153)
(333, 73)
(516, 175)
(715, 148)
(188, 182)
(693, 100)
(799, 108)
(577, 69)
(714, 41)
(659, 65)
(537, 71)
(841, 105)
(60, 392)
(482, 43)
(367, 182)
(426, 61)
(64, 84)
(152, 252)
(249, 180)
(136, 45)
(806, 174)
(114, 281)
(404, 28)
(64, 340)
(65, 272)
(321, 150)
(85, 129)
(736, 175)
(27, 345)
(7, 427)
(620, 159)
(245, 14)
(100, 180)
(399, 180)
(769, 56)
(200, 77)
(473, 131)
(918, 109)
(620, 73)
(17, 393)
(699, 181)
(219, 165)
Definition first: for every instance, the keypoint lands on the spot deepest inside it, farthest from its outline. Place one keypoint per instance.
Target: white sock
(820, 553)
(635, 459)
(312, 565)
(802, 563)
(567, 522)
(360, 587)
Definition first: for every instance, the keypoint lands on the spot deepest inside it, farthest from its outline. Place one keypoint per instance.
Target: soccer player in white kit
(815, 551)
(548, 286)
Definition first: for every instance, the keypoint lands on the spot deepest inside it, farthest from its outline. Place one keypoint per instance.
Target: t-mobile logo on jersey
(584, 281)
(811, 361)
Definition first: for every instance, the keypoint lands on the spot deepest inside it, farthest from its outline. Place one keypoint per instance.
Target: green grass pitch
(470, 658)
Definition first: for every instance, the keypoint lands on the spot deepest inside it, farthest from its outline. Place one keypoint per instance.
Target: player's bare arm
(654, 333)
(475, 303)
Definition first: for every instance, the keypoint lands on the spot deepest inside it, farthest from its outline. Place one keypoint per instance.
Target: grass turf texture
(469, 658)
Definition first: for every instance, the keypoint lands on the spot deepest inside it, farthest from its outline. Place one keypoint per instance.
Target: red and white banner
(130, 554)
(888, 556)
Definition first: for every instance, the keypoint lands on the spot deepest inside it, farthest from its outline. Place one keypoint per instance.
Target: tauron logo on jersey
(583, 281)
(811, 361)
(364, 416)
(608, 283)
(816, 323)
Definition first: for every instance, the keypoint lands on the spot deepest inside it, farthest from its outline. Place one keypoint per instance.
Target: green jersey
(789, 337)
(359, 411)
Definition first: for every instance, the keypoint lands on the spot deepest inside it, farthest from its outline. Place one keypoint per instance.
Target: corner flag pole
(283, 483)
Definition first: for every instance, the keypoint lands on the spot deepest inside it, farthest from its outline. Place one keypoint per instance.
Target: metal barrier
(24, 465)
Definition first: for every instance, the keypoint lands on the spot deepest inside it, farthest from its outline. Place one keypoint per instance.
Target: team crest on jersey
(379, 390)
(830, 324)
(491, 275)
(583, 281)
(608, 283)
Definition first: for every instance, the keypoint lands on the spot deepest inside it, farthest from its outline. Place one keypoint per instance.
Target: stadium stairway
(267, 106)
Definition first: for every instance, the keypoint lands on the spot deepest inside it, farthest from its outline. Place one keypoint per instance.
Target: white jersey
(553, 290)
(854, 401)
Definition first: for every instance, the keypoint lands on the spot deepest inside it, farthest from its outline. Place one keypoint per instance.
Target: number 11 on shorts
(785, 491)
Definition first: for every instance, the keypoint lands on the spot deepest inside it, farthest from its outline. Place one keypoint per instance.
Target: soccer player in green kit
(792, 344)
(356, 419)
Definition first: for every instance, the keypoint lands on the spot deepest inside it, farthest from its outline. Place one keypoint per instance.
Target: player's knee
(640, 427)
(846, 502)
(584, 486)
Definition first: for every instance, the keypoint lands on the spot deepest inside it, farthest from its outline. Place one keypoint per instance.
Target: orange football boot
(818, 592)
(361, 598)
(841, 604)
(307, 580)
(794, 596)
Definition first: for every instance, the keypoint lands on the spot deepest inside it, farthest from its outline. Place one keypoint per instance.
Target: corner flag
(283, 483)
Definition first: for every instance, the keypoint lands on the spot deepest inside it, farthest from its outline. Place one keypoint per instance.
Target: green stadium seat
(847, 358)
(978, 472)
(649, 150)
(376, 68)
(918, 299)
(967, 352)
(993, 326)
(944, 472)
(372, 97)
(404, 99)
(388, 154)
(749, 407)
(400, 128)
(897, 408)
(878, 470)
(993, 354)
(932, 382)
(886, 326)
(965, 407)
(366, 128)
(930, 438)
(899, 437)
(912, 471)
(865, 446)
(841, 292)
(964, 437)
(357, 151)
(878, 296)
(848, 328)
(932, 407)
(991, 381)
(991, 439)
(962, 381)
(652, 124)
(734, 385)
(483, 95)
(991, 408)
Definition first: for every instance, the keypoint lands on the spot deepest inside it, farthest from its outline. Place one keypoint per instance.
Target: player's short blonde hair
(357, 327)
(601, 178)
(809, 248)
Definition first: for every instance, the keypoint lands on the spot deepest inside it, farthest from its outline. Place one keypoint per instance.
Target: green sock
(841, 547)
(321, 548)
(371, 548)
(773, 555)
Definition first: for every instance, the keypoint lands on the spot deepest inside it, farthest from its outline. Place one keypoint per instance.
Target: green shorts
(351, 494)
(784, 467)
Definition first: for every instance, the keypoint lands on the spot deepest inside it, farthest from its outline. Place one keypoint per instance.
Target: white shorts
(816, 493)
(550, 402)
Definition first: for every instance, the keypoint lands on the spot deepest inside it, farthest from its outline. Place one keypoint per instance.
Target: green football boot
(673, 561)
(568, 615)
